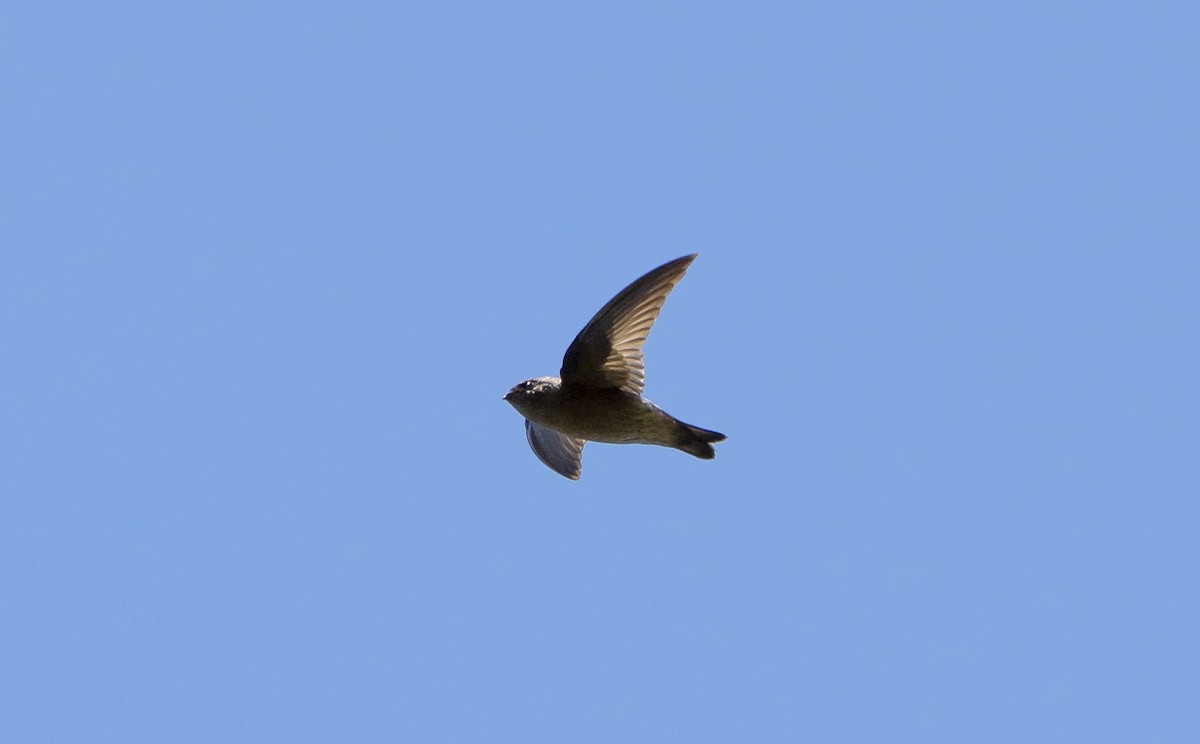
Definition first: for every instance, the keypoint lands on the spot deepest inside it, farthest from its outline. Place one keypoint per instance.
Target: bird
(598, 394)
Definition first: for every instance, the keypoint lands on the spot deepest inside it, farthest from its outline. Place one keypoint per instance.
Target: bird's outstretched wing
(561, 453)
(608, 351)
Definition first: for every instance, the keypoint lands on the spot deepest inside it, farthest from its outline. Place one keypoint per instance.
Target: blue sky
(268, 269)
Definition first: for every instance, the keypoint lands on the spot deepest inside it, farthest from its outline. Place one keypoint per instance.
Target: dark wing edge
(560, 453)
(608, 351)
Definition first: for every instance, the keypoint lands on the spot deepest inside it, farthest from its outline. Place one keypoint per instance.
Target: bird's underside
(607, 415)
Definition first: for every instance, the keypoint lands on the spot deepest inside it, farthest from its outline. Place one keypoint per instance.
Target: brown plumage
(599, 394)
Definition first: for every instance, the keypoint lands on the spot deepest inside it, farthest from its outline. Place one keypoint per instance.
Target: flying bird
(598, 395)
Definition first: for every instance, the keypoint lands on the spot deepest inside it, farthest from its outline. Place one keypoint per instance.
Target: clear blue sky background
(266, 270)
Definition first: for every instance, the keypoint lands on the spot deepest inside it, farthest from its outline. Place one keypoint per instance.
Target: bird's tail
(696, 441)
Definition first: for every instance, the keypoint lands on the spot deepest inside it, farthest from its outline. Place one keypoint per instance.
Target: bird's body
(598, 397)
(608, 415)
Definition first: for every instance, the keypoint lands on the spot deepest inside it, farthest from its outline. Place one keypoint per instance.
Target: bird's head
(525, 394)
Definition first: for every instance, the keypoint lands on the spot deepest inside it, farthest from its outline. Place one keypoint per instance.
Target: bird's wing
(608, 351)
(561, 453)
